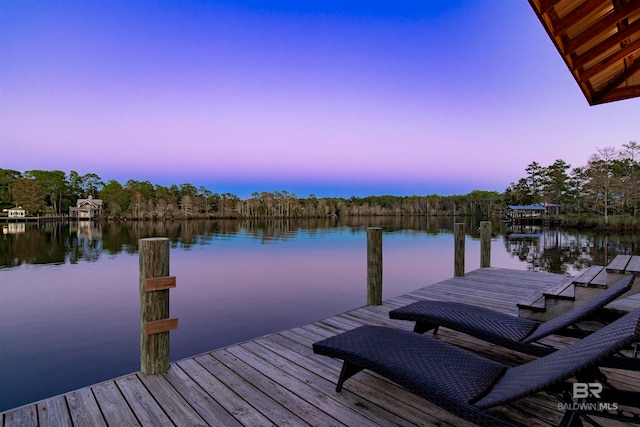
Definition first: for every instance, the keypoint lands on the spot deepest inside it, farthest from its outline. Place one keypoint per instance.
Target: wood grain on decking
(277, 380)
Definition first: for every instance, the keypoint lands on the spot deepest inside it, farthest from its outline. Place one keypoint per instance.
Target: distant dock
(277, 380)
(52, 218)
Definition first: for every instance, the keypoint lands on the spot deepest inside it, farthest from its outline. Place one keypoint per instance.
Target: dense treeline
(607, 186)
(603, 192)
(54, 192)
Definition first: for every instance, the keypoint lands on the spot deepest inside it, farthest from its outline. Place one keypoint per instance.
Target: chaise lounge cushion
(500, 328)
(477, 320)
(467, 384)
(417, 362)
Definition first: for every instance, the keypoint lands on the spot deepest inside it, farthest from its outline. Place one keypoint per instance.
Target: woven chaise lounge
(467, 384)
(505, 330)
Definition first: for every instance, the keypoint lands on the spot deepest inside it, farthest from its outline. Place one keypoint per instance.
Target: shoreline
(567, 222)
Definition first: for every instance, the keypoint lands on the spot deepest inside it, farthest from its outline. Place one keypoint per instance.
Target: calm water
(69, 302)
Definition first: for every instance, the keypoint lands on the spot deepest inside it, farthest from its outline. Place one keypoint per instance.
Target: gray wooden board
(54, 412)
(560, 289)
(588, 275)
(275, 413)
(331, 327)
(619, 264)
(532, 412)
(23, 416)
(493, 284)
(634, 265)
(536, 300)
(260, 375)
(339, 323)
(84, 409)
(176, 407)
(226, 397)
(402, 301)
(466, 293)
(569, 292)
(470, 290)
(143, 405)
(113, 405)
(600, 280)
(306, 399)
(515, 274)
(504, 306)
(298, 359)
(625, 305)
(490, 285)
(206, 407)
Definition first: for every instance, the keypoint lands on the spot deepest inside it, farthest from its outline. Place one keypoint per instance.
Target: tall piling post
(485, 244)
(458, 260)
(155, 324)
(374, 266)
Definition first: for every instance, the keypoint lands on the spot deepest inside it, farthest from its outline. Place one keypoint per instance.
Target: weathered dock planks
(277, 380)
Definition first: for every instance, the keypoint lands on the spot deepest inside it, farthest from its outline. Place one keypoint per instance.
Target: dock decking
(277, 380)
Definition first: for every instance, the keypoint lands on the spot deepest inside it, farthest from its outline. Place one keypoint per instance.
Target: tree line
(53, 192)
(606, 186)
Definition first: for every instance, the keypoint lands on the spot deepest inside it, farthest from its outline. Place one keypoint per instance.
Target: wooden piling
(374, 266)
(485, 244)
(458, 233)
(154, 305)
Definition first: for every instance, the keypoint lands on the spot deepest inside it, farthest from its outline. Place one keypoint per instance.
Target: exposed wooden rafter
(610, 20)
(599, 41)
(609, 61)
(608, 44)
(576, 15)
(609, 92)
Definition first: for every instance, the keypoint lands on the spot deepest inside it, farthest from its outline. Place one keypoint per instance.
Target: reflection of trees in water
(50, 243)
(606, 247)
(542, 249)
(45, 246)
(124, 236)
(557, 251)
(86, 240)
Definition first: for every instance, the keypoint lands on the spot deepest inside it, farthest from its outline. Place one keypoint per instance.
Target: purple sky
(239, 96)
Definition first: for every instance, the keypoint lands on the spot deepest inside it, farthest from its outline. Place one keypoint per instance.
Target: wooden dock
(277, 380)
(44, 218)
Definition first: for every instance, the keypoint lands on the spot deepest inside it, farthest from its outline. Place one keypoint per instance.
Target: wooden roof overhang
(599, 41)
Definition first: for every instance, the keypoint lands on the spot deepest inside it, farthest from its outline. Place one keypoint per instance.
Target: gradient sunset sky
(335, 98)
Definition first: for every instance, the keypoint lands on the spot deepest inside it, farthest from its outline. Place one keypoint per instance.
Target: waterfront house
(17, 212)
(88, 208)
(531, 213)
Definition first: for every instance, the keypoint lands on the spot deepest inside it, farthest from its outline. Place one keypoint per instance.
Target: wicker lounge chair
(505, 330)
(467, 384)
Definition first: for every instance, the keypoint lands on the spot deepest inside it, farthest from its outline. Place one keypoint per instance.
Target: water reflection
(566, 251)
(542, 248)
(14, 228)
(69, 303)
(51, 243)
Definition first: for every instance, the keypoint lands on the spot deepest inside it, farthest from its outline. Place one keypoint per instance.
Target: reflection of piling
(458, 256)
(154, 305)
(485, 244)
(374, 266)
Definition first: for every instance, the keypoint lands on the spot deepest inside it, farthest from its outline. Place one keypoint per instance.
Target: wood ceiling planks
(599, 41)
